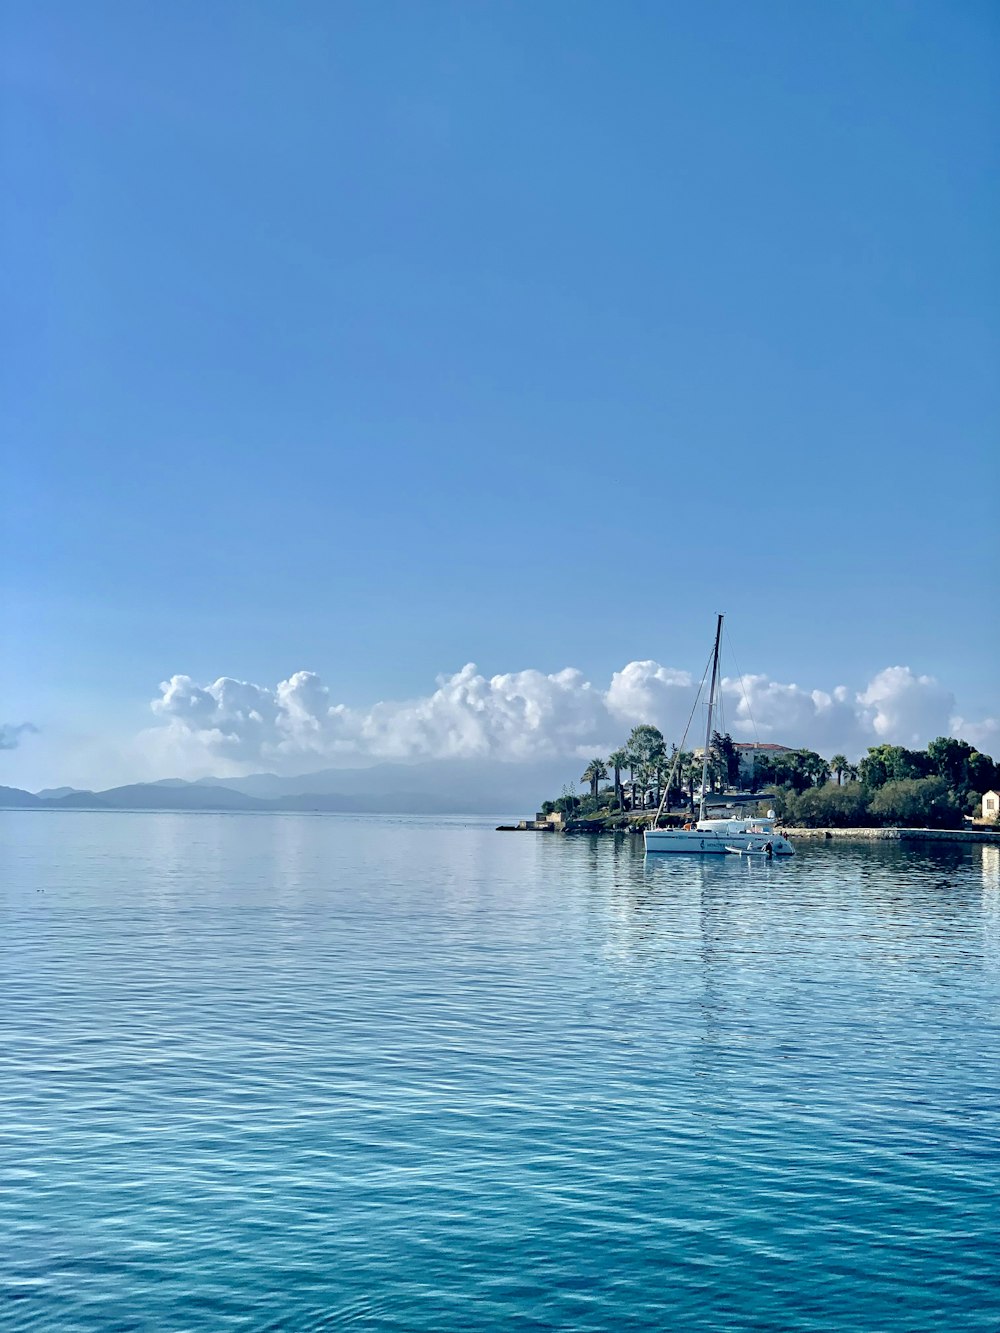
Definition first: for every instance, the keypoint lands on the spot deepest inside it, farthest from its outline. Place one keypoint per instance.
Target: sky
(350, 344)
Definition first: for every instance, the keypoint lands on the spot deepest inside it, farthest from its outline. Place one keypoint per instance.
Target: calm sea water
(318, 1073)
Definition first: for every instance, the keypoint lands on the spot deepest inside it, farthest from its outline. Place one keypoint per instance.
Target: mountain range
(439, 787)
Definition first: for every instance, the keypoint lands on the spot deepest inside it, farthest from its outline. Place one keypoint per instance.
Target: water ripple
(301, 1073)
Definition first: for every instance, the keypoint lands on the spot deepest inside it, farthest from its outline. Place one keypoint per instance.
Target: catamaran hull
(703, 843)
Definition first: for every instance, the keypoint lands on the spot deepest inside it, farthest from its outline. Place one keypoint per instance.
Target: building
(751, 751)
(991, 805)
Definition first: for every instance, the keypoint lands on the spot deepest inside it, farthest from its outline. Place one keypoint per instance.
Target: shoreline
(991, 836)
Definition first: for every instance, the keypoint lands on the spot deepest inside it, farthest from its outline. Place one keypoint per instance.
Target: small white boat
(766, 851)
(716, 837)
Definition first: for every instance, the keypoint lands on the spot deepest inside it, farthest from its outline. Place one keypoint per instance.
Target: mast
(711, 705)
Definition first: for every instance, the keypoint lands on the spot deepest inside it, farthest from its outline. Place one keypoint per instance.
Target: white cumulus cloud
(648, 692)
(520, 715)
(902, 708)
(819, 719)
(232, 726)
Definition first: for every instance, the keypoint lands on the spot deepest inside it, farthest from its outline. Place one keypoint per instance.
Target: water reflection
(991, 869)
(991, 907)
(280, 1064)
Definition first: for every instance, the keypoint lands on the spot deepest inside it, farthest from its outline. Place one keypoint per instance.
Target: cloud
(233, 726)
(819, 719)
(984, 734)
(905, 709)
(648, 692)
(11, 733)
(521, 715)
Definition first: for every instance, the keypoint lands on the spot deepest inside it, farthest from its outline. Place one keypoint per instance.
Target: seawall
(896, 834)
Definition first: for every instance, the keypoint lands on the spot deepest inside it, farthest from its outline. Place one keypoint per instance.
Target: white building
(751, 751)
(991, 805)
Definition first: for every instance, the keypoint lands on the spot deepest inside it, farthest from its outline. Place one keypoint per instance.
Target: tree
(716, 771)
(813, 767)
(982, 774)
(647, 753)
(917, 803)
(893, 763)
(798, 769)
(724, 748)
(950, 759)
(779, 798)
(658, 763)
(831, 806)
(675, 763)
(594, 773)
(618, 759)
(568, 803)
(964, 768)
(839, 765)
(630, 762)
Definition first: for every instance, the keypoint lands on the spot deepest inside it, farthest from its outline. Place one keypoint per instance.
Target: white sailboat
(716, 837)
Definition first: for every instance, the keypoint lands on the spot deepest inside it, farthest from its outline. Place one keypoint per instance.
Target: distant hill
(13, 798)
(458, 785)
(441, 787)
(176, 795)
(179, 795)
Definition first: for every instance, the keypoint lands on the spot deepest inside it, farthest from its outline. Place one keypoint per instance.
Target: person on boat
(769, 849)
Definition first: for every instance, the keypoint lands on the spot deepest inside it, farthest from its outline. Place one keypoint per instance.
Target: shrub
(917, 803)
(830, 806)
(567, 804)
(779, 799)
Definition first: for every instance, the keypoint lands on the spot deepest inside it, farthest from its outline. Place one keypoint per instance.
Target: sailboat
(715, 837)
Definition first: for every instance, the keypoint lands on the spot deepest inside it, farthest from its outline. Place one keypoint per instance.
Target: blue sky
(375, 339)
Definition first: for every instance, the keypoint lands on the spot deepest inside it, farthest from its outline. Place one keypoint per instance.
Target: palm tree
(594, 773)
(805, 768)
(839, 765)
(618, 760)
(817, 768)
(631, 763)
(647, 751)
(658, 761)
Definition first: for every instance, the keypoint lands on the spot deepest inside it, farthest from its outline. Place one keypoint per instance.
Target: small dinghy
(766, 850)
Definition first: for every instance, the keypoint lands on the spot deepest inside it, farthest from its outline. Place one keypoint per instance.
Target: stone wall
(895, 834)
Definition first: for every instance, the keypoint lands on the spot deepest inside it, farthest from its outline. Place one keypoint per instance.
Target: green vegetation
(594, 773)
(892, 786)
(829, 806)
(618, 759)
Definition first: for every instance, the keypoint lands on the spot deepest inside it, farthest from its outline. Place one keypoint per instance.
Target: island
(949, 788)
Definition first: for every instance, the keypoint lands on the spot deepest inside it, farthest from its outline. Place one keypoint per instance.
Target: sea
(295, 1072)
